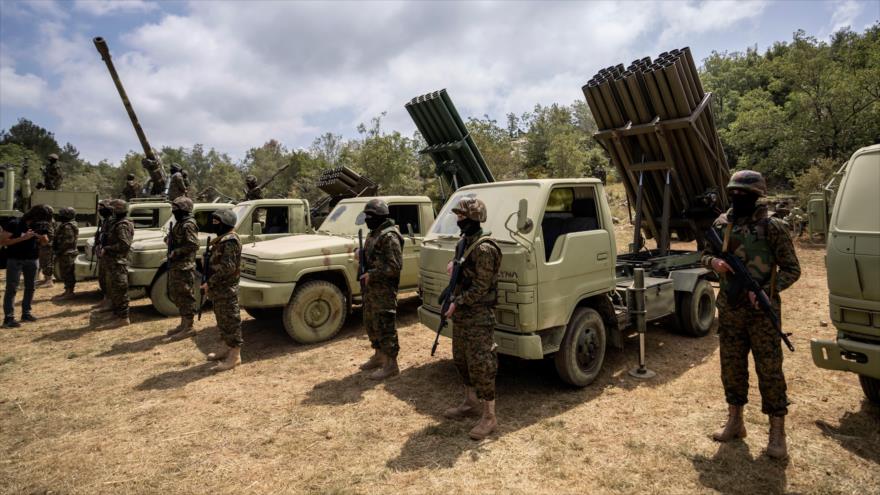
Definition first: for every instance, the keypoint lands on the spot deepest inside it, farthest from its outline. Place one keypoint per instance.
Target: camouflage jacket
(131, 190)
(765, 247)
(65, 238)
(47, 228)
(478, 278)
(383, 250)
(184, 239)
(253, 193)
(225, 263)
(177, 187)
(52, 176)
(117, 241)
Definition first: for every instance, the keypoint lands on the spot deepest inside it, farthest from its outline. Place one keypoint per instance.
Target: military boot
(734, 428)
(104, 306)
(389, 368)
(374, 362)
(487, 422)
(219, 355)
(233, 359)
(102, 303)
(67, 294)
(115, 321)
(776, 448)
(470, 406)
(182, 330)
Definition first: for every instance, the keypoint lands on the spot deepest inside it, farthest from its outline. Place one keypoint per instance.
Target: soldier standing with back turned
(473, 319)
(65, 250)
(132, 188)
(222, 288)
(765, 247)
(383, 250)
(177, 186)
(184, 241)
(45, 225)
(114, 254)
(52, 175)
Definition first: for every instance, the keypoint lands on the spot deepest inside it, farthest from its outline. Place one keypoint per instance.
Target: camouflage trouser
(66, 266)
(47, 261)
(117, 286)
(473, 349)
(228, 316)
(742, 330)
(180, 289)
(380, 319)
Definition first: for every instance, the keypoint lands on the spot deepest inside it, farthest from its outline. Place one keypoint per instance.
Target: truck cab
(146, 215)
(310, 281)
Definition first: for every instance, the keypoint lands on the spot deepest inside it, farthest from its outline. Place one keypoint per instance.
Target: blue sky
(232, 75)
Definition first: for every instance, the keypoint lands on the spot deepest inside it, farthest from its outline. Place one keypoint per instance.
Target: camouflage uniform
(131, 190)
(65, 252)
(383, 250)
(763, 244)
(223, 286)
(101, 266)
(52, 175)
(46, 256)
(117, 244)
(253, 190)
(473, 323)
(177, 187)
(157, 176)
(184, 239)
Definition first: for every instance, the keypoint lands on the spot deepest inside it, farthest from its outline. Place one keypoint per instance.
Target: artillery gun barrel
(101, 45)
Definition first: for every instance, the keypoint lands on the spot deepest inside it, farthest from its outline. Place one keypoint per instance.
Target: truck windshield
(500, 203)
(345, 219)
(858, 200)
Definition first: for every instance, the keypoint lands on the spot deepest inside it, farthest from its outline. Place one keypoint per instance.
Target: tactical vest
(749, 241)
(491, 296)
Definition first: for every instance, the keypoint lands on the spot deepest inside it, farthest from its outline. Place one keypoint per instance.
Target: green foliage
(815, 178)
(33, 137)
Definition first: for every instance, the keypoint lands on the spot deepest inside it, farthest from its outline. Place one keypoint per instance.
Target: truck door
(407, 216)
(275, 221)
(574, 252)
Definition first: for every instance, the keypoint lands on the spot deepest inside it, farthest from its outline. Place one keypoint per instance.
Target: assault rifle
(449, 291)
(97, 243)
(168, 257)
(740, 281)
(206, 274)
(362, 261)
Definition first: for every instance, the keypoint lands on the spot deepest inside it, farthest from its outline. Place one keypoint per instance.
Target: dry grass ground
(85, 410)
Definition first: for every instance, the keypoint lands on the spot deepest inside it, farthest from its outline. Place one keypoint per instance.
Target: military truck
(852, 261)
(310, 281)
(258, 220)
(147, 214)
(84, 202)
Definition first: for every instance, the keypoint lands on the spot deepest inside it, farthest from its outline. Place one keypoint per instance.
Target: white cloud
(105, 7)
(691, 17)
(20, 90)
(845, 14)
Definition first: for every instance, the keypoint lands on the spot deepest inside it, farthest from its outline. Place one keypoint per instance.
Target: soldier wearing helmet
(64, 247)
(473, 318)
(765, 247)
(114, 255)
(183, 246)
(52, 175)
(157, 176)
(222, 288)
(177, 185)
(44, 224)
(383, 250)
(106, 214)
(132, 187)
(253, 191)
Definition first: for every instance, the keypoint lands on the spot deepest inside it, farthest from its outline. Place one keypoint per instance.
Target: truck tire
(159, 294)
(695, 311)
(871, 387)
(315, 313)
(265, 313)
(582, 352)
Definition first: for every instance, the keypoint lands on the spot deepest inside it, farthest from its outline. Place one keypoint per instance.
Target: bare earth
(85, 410)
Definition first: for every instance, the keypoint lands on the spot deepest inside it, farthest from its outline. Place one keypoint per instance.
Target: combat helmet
(119, 206)
(471, 208)
(376, 208)
(250, 180)
(129, 177)
(67, 213)
(182, 203)
(175, 168)
(226, 217)
(53, 156)
(748, 180)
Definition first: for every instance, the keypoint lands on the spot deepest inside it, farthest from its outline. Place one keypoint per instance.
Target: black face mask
(219, 228)
(105, 212)
(743, 204)
(180, 215)
(468, 227)
(120, 216)
(374, 222)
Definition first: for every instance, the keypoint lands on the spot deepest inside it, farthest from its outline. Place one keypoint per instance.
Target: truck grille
(248, 266)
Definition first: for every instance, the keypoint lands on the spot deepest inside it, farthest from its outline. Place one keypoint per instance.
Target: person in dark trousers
(22, 251)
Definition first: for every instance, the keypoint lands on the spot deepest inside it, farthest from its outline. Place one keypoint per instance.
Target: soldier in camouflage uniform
(383, 250)
(177, 186)
(253, 190)
(106, 214)
(132, 188)
(45, 225)
(52, 175)
(765, 247)
(157, 176)
(114, 254)
(65, 250)
(184, 241)
(222, 288)
(473, 319)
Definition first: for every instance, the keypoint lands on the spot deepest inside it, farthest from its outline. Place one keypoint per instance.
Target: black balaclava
(468, 226)
(220, 228)
(374, 221)
(105, 212)
(180, 215)
(743, 204)
(120, 216)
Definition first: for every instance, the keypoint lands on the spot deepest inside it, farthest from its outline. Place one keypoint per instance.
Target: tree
(32, 137)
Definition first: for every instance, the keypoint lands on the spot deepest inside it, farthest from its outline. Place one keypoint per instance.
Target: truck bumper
(140, 277)
(847, 355)
(83, 269)
(525, 346)
(256, 294)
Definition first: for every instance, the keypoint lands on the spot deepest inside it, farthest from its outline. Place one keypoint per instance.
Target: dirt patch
(86, 410)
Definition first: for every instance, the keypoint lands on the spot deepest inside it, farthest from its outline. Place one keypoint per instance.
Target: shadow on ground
(733, 470)
(859, 432)
(137, 314)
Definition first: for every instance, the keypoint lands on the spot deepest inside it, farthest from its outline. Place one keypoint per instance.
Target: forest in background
(795, 113)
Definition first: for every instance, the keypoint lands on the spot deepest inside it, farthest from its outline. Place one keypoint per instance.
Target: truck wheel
(159, 294)
(582, 351)
(871, 387)
(695, 311)
(315, 313)
(264, 313)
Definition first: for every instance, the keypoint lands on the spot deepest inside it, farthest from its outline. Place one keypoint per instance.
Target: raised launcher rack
(457, 159)
(340, 183)
(656, 123)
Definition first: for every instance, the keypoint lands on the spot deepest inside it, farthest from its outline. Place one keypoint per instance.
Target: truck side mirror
(409, 232)
(524, 224)
(256, 228)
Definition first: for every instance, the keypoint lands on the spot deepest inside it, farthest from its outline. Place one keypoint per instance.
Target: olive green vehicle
(147, 214)
(852, 261)
(563, 290)
(310, 281)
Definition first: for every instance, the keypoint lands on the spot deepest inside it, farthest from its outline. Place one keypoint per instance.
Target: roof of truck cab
(543, 183)
(388, 199)
(212, 206)
(277, 201)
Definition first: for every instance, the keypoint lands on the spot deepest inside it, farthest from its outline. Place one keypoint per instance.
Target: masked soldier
(253, 191)
(383, 250)
(52, 176)
(65, 249)
(132, 188)
(183, 243)
(473, 319)
(222, 288)
(45, 225)
(157, 176)
(765, 247)
(177, 186)
(114, 254)
(106, 214)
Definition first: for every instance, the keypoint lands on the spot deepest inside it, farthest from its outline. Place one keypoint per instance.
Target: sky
(233, 75)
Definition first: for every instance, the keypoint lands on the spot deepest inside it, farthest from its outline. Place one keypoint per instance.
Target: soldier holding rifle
(183, 243)
(64, 246)
(766, 249)
(114, 256)
(222, 288)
